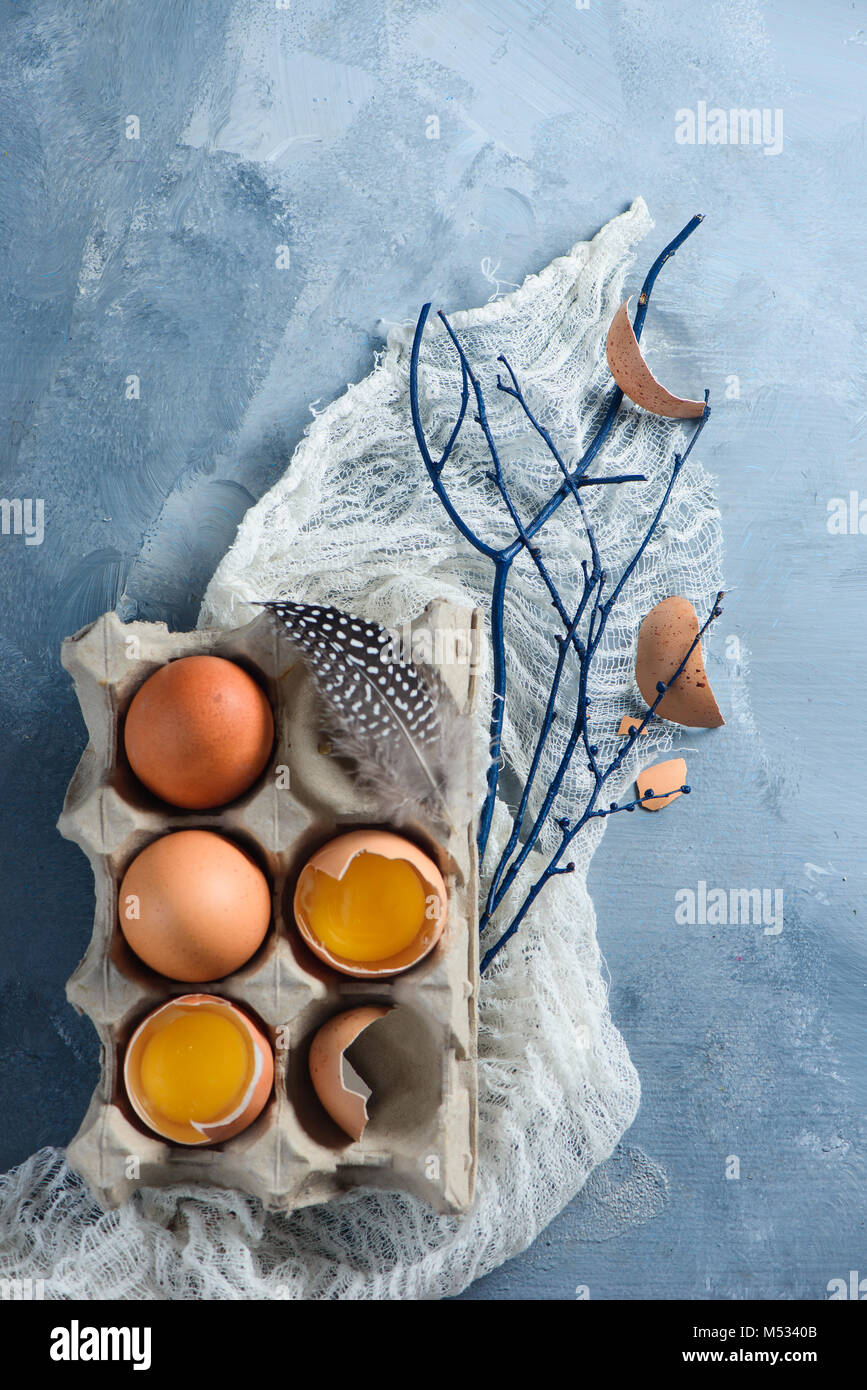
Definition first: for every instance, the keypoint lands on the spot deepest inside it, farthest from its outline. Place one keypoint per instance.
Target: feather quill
(397, 722)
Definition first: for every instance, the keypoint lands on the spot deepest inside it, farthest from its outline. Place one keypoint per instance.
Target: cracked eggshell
(334, 859)
(259, 1083)
(667, 777)
(342, 1092)
(664, 638)
(635, 378)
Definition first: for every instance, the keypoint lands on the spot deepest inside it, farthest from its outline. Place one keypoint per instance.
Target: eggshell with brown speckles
(635, 378)
(664, 638)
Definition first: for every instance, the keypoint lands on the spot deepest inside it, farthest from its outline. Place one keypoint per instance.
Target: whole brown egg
(199, 732)
(194, 906)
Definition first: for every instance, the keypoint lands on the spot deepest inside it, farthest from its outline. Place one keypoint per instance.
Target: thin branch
(591, 609)
(569, 829)
(498, 705)
(435, 467)
(563, 643)
(551, 794)
(649, 795)
(599, 619)
(617, 395)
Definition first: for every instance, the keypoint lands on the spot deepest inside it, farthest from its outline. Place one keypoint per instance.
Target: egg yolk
(196, 1068)
(374, 911)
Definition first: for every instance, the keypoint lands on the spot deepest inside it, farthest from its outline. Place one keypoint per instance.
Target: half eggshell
(334, 859)
(635, 378)
(250, 1105)
(664, 639)
(665, 780)
(343, 1093)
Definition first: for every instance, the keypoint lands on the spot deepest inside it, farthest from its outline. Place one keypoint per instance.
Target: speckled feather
(399, 726)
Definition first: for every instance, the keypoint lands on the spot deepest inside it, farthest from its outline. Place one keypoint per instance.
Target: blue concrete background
(156, 258)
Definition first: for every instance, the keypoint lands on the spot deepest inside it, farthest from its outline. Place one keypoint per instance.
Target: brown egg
(343, 1093)
(635, 378)
(197, 1070)
(664, 639)
(199, 732)
(370, 903)
(194, 906)
(664, 780)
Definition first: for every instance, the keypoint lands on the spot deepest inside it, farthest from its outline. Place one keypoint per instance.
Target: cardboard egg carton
(419, 1060)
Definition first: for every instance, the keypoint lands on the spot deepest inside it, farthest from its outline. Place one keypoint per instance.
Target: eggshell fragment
(667, 777)
(627, 723)
(251, 1103)
(334, 859)
(635, 378)
(664, 639)
(341, 1090)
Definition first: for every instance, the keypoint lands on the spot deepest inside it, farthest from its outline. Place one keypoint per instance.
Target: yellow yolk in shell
(374, 911)
(196, 1068)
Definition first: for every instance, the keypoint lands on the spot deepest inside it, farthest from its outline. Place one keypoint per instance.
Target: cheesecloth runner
(355, 521)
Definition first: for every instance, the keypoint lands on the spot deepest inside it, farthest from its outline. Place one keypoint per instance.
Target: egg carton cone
(420, 1060)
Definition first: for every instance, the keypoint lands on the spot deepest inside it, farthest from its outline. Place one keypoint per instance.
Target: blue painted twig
(583, 628)
(570, 829)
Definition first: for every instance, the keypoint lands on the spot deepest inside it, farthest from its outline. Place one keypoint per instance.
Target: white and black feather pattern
(400, 727)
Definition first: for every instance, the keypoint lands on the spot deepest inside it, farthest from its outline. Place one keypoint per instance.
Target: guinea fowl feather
(398, 724)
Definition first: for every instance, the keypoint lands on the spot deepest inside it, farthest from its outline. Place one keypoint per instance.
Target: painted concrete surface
(160, 355)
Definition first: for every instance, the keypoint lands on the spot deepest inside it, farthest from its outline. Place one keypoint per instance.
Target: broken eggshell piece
(255, 1079)
(664, 639)
(635, 378)
(628, 723)
(668, 778)
(342, 1092)
(334, 859)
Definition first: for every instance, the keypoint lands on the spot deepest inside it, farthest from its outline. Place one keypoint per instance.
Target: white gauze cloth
(355, 521)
